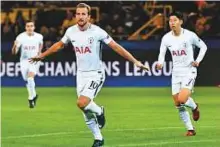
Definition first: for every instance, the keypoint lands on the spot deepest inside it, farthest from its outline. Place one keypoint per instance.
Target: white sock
(185, 117)
(31, 86)
(29, 92)
(92, 125)
(190, 103)
(93, 107)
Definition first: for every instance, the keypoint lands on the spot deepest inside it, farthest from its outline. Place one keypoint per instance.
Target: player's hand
(159, 66)
(195, 64)
(140, 65)
(35, 59)
(16, 43)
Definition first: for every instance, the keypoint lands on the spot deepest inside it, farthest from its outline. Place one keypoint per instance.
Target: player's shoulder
(72, 28)
(38, 35)
(96, 28)
(167, 36)
(93, 26)
(188, 32)
(23, 34)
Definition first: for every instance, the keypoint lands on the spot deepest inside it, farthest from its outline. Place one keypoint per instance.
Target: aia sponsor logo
(82, 50)
(179, 53)
(26, 47)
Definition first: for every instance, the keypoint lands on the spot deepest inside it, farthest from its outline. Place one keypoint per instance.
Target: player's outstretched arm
(124, 53)
(54, 48)
(14, 48)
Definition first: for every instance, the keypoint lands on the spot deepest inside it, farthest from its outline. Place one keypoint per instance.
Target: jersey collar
(89, 26)
(31, 34)
(181, 32)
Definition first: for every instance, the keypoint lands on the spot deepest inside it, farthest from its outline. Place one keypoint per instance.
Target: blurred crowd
(119, 19)
(201, 17)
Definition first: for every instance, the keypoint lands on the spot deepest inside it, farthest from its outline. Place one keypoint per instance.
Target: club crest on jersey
(82, 50)
(90, 40)
(184, 45)
(179, 53)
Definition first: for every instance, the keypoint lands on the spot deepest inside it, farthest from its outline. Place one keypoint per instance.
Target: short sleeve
(18, 41)
(65, 38)
(104, 37)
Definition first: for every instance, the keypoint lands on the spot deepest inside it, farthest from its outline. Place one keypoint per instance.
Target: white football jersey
(182, 50)
(87, 46)
(29, 45)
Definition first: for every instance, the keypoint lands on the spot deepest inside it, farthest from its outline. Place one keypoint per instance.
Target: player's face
(30, 27)
(82, 16)
(175, 23)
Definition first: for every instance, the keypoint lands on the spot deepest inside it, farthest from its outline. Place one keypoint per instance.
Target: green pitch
(136, 117)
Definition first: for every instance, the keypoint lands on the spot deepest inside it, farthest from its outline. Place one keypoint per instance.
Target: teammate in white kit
(30, 43)
(86, 39)
(180, 43)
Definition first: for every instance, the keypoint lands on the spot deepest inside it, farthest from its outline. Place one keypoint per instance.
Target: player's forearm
(14, 50)
(160, 61)
(54, 48)
(203, 49)
(161, 58)
(162, 53)
(124, 53)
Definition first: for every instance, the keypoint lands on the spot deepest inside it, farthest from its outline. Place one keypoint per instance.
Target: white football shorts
(179, 82)
(27, 67)
(89, 83)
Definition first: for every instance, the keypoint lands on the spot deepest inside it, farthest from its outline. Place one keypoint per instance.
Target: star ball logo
(91, 40)
(185, 45)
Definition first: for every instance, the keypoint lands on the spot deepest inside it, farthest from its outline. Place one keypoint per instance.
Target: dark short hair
(84, 5)
(178, 14)
(27, 21)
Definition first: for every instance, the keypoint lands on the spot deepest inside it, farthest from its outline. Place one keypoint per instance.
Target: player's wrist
(197, 62)
(159, 66)
(137, 63)
(41, 57)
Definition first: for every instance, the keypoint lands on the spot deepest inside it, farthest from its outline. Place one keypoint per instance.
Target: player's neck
(177, 32)
(30, 34)
(85, 27)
